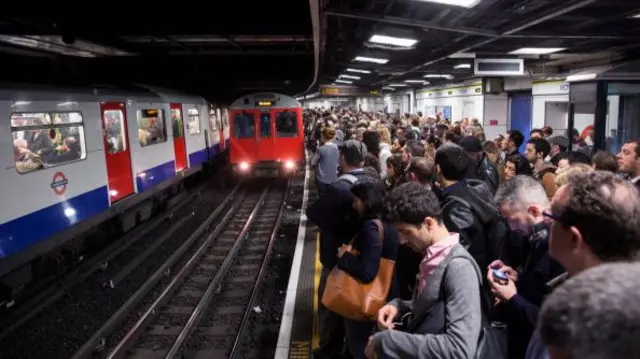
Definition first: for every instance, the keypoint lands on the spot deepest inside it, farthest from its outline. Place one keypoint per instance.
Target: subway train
(267, 135)
(82, 156)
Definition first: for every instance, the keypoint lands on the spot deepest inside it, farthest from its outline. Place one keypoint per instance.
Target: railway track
(103, 281)
(203, 310)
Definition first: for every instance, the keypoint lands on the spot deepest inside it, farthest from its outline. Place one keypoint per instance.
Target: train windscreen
(286, 124)
(244, 126)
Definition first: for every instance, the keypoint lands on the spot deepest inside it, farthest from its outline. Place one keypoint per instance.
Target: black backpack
(496, 227)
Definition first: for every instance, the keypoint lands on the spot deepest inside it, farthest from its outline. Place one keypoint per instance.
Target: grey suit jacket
(450, 316)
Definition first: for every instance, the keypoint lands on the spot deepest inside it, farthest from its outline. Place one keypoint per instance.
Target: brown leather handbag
(350, 298)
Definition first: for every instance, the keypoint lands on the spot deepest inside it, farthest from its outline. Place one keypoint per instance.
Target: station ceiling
(219, 50)
(589, 32)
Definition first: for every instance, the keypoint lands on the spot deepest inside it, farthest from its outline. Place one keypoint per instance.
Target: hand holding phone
(498, 276)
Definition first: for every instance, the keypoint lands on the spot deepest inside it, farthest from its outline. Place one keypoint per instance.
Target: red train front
(267, 135)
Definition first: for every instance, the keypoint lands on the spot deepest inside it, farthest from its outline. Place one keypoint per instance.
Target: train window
(244, 127)
(194, 121)
(213, 120)
(286, 125)
(151, 127)
(176, 123)
(115, 131)
(265, 125)
(40, 142)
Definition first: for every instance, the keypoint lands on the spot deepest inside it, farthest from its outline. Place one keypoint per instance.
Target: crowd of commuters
(529, 246)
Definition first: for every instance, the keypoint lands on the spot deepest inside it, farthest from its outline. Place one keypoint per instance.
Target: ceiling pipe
(536, 21)
(314, 6)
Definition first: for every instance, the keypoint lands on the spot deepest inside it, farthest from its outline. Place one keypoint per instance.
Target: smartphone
(499, 275)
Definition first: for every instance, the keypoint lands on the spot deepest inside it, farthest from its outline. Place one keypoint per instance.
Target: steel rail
(62, 284)
(89, 346)
(220, 274)
(263, 267)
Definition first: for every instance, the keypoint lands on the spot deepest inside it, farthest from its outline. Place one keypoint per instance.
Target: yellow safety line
(316, 281)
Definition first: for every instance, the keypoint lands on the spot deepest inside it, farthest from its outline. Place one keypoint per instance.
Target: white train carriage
(81, 156)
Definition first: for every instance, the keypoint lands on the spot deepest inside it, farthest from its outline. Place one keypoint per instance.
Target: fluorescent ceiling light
(415, 81)
(537, 50)
(439, 76)
(343, 81)
(397, 85)
(388, 88)
(581, 77)
(395, 41)
(350, 77)
(375, 60)
(636, 16)
(462, 66)
(463, 55)
(463, 3)
(359, 71)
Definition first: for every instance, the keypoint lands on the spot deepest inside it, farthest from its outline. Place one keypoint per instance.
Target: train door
(116, 149)
(179, 145)
(244, 146)
(266, 136)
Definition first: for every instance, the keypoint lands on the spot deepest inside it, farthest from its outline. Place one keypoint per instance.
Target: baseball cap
(559, 140)
(471, 144)
(353, 151)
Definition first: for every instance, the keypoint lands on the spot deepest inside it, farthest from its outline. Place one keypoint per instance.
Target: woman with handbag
(369, 259)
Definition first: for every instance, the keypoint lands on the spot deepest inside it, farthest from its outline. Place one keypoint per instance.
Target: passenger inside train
(499, 244)
(43, 140)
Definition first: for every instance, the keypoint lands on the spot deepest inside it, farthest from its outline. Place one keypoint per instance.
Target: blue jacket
(366, 264)
(335, 217)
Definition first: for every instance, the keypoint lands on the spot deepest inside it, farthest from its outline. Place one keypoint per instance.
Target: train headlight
(289, 165)
(244, 166)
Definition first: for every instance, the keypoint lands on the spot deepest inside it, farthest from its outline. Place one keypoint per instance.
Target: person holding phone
(518, 294)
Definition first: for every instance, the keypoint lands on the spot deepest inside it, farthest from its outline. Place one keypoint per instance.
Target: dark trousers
(357, 334)
(330, 325)
(322, 188)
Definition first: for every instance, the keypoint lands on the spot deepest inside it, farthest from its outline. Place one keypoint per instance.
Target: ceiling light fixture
(398, 85)
(349, 77)
(462, 3)
(537, 50)
(359, 71)
(343, 81)
(636, 16)
(581, 77)
(439, 76)
(395, 41)
(416, 81)
(462, 66)
(375, 60)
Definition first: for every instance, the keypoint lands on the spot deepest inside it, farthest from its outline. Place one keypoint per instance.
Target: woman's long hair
(372, 193)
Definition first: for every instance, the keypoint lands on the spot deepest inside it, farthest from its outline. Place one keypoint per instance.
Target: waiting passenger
(421, 170)
(325, 161)
(629, 161)
(594, 315)
(595, 219)
(573, 170)
(481, 167)
(522, 201)
(537, 150)
(446, 311)
(368, 202)
(604, 161)
(385, 150)
(516, 165)
(333, 215)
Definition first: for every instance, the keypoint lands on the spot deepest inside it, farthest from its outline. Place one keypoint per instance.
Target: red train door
(289, 133)
(266, 136)
(179, 145)
(116, 149)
